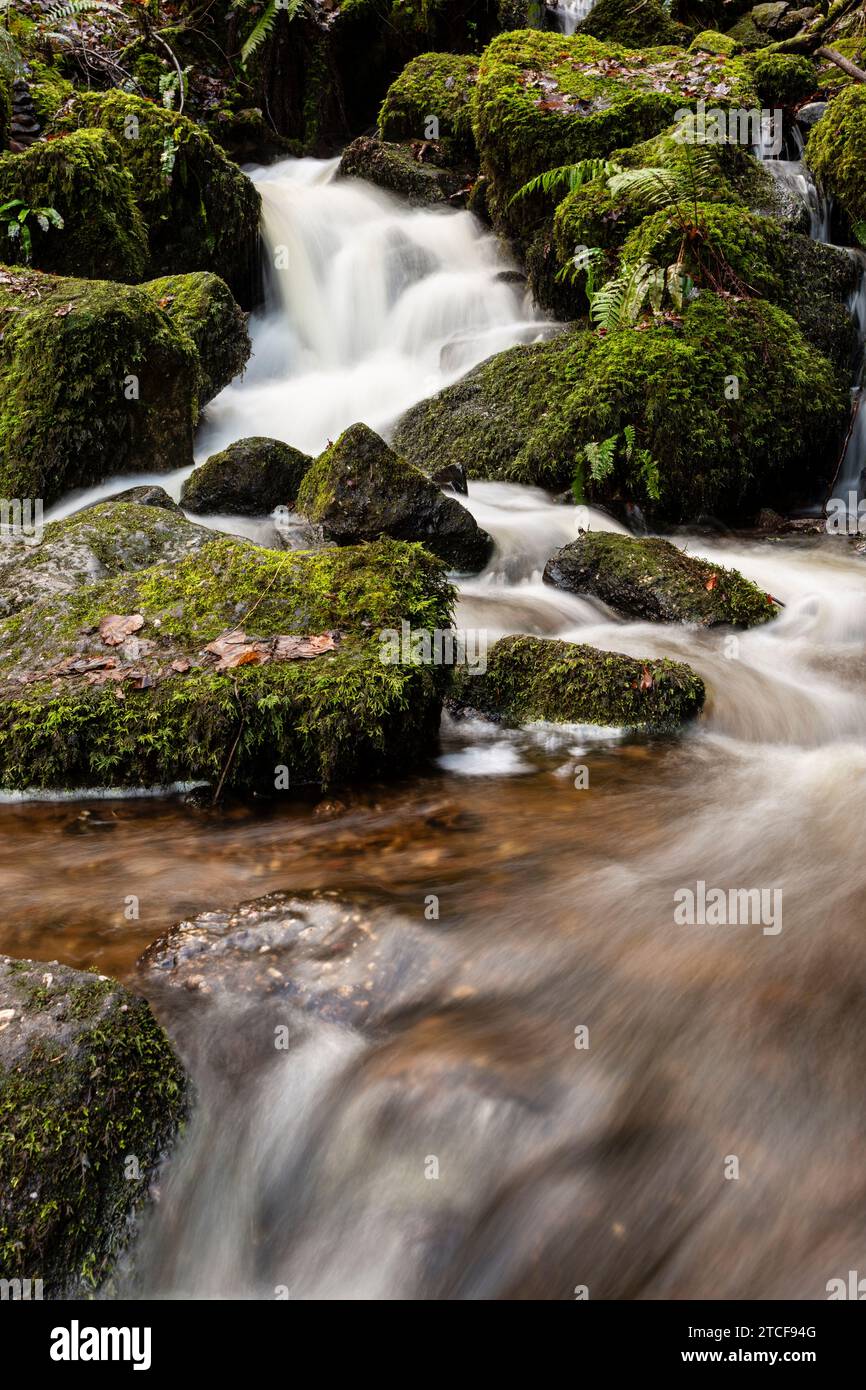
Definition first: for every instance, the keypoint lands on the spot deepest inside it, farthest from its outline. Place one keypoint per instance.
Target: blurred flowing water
(456, 1142)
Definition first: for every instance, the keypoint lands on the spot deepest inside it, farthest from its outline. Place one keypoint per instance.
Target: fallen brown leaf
(712, 582)
(115, 628)
(646, 680)
(294, 648)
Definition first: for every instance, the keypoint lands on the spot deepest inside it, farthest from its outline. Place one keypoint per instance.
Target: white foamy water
(565, 15)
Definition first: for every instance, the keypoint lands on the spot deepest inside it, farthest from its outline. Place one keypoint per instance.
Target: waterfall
(565, 15)
(370, 307)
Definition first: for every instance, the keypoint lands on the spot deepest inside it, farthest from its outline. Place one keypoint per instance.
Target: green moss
(634, 25)
(531, 678)
(201, 306)
(543, 101)
(711, 41)
(836, 151)
(653, 579)
(438, 85)
(734, 406)
(336, 717)
(96, 1085)
(201, 212)
(831, 78)
(83, 178)
(781, 79)
(728, 245)
(49, 89)
(250, 478)
(68, 355)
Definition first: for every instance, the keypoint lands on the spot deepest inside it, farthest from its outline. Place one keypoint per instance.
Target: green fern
(73, 9)
(265, 23)
(585, 261)
(16, 214)
(567, 178)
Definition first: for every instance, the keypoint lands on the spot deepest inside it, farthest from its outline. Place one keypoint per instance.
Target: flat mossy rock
(437, 86)
(535, 678)
(201, 211)
(88, 1081)
(634, 25)
(94, 380)
(202, 306)
(338, 716)
(542, 101)
(653, 579)
(249, 478)
(397, 169)
(711, 41)
(111, 538)
(836, 151)
(733, 404)
(360, 489)
(82, 177)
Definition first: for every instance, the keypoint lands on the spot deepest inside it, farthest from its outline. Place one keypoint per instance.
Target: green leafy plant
(601, 458)
(16, 215)
(567, 178)
(265, 23)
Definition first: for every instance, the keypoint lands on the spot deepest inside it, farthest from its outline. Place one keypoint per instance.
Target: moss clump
(836, 151)
(542, 101)
(94, 380)
(396, 168)
(652, 579)
(201, 212)
(49, 89)
(339, 716)
(532, 678)
(438, 85)
(781, 79)
(635, 26)
(83, 178)
(251, 477)
(733, 405)
(360, 489)
(711, 41)
(201, 306)
(88, 1082)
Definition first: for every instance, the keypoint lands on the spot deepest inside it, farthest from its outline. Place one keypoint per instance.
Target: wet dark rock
(397, 168)
(453, 475)
(811, 113)
(148, 495)
(90, 1094)
(250, 478)
(360, 489)
(652, 579)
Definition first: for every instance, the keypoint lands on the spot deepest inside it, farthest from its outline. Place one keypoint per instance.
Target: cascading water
(565, 15)
(461, 1146)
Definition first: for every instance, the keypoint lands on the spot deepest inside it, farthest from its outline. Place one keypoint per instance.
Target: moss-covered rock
(836, 151)
(94, 380)
(652, 579)
(634, 25)
(249, 478)
(111, 538)
(711, 41)
(82, 177)
(49, 89)
(543, 101)
(398, 169)
(341, 715)
(533, 678)
(201, 212)
(781, 79)
(202, 306)
(360, 489)
(733, 405)
(437, 87)
(90, 1096)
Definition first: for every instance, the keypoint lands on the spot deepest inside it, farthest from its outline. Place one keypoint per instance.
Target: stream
(462, 1144)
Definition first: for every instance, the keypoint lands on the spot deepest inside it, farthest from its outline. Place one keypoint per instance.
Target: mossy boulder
(711, 41)
(202, 306)
(438, 87)
(91, 1095)
(113, 537)
(249, 478)
(170, 711)
(781, 79)
(836, 151)
(733, 405)
(200, 210)
(653, 579)
(82, 177)
(398, 169)
(634, 25)
(359, 489)
(49, 88)
(534, 678)
(542, 101)
(94, 380)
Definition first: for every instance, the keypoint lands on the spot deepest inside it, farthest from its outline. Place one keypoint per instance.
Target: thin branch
(842, 62)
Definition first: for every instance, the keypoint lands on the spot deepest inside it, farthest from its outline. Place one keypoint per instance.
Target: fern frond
(265, 23)
(72, 9)
(618, 303)
(567, 178)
